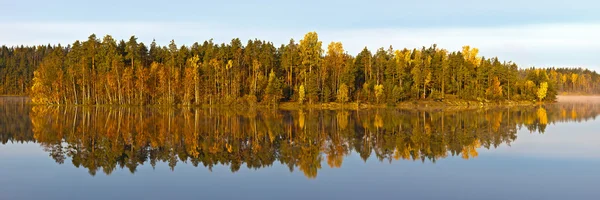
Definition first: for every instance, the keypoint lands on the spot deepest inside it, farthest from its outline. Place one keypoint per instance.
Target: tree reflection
(15, 125)
(107, 138)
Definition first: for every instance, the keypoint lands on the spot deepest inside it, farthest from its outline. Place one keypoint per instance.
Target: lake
(74, 152)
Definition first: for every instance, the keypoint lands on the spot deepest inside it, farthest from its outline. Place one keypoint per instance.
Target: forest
(109, 71)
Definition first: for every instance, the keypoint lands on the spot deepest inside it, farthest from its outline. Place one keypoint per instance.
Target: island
(260, 74)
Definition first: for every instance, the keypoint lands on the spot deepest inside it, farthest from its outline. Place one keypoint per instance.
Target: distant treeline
(108, 71)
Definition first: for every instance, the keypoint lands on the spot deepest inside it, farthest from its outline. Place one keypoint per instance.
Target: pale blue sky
(540, 33)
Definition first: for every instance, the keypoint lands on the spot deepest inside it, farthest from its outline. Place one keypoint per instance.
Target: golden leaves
(542, 91)
(378, 91)
(542, 116)
(470, 55)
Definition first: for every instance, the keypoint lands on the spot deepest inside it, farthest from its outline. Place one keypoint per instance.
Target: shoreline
(411, 104)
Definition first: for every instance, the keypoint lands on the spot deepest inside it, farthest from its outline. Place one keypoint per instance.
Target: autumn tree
(310, 51)
(301, 94)
(495, 90)
(273, 90)
(342, 94)
(542, 91)
(111, 71)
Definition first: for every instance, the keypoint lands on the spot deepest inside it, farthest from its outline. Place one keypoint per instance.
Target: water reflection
(15, 124)
(107, 138)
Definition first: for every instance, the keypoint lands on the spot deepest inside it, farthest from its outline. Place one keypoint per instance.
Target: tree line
(107, 71)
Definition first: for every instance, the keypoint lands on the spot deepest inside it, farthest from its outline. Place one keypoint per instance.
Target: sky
(540, 33)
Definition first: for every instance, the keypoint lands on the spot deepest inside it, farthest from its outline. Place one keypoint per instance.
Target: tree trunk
(74, 90)
(196, 89)
(443, 82)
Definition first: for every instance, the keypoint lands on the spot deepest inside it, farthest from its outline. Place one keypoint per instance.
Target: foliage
(542, 91)
(274, 91)
(107, 71)
(378, 92)
(495, 89)
(342, 94)
(301, 94)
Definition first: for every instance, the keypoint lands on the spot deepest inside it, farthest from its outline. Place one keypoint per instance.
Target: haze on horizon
(530, 33)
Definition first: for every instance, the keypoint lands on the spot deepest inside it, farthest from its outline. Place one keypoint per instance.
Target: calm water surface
(69, 152)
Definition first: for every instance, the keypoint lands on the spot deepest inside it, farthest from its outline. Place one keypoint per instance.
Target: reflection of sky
(487, 177)
(20, 149)
(560, 140)
(560, 164)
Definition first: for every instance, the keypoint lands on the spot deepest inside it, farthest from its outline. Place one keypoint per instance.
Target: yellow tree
(140, 83)
(163, 75)
(195, 67)
(470, 55)
(310, 50)
(255, 67)
(128, 84)
(228, 67)
(335, 60)
(47, 79)
(188, 86)
(273, 90)
(301, 94)
(342, 94)
(495, 90)
(445, 67)
(563, 81)
(542, 90)
(417, 72)
(426, 74)
(215, 65)
(40, 89)
(378, 92)
(574, 79)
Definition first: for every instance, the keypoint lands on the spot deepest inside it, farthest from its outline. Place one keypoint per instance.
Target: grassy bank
(411, 104)
(414, 104)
